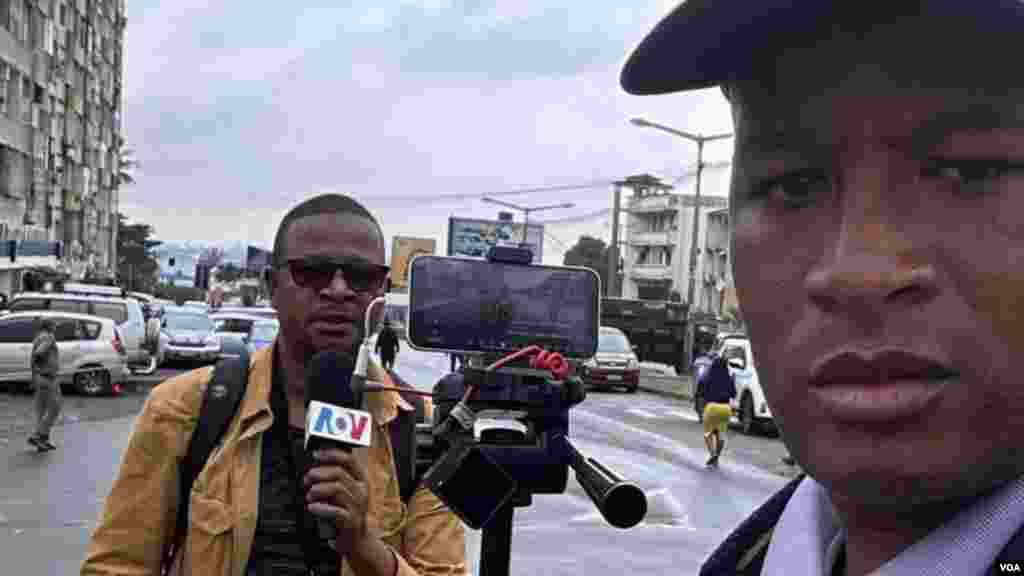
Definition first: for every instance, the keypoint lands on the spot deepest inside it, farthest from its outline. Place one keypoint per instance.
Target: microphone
(333, 415)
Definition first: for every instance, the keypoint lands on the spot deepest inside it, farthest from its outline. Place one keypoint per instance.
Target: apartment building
(659, 237)
(60, 127)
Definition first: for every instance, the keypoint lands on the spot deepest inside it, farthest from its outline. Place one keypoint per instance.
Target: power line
(464, 196)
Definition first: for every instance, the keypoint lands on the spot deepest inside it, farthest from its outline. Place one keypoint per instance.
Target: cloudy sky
(239, 109)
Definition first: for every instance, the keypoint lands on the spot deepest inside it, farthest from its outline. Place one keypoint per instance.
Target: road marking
(642, 413)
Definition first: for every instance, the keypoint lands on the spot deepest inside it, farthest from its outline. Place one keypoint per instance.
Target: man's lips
(884, 386)
(333, 322)
(851, 367)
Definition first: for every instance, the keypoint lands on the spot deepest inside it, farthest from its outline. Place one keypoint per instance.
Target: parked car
(232, 331)
(91, 352)
(749, 404)
(261, 311)
(263, 334)
(190, 335)
(196, 305)
(615, 365)
(141, 338)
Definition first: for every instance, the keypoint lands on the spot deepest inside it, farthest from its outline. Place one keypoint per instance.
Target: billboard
(256, 259)
(468, 237)
(403, 248)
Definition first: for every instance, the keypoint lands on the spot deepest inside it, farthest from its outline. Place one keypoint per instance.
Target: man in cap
(878, 209)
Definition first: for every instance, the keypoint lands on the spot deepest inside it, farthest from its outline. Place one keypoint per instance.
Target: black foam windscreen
(329, 380)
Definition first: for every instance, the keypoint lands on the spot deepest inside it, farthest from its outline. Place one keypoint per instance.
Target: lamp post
(700, 140)
(527, 210)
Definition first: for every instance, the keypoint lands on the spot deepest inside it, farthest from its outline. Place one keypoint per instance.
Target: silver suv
(140, 340)
(90, 351)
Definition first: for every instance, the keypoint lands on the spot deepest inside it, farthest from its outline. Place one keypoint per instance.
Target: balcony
(665, 238)
(651, 272)
(648, 204)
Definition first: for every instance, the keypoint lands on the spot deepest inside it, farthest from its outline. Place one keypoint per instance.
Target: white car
(749, 404)
(91, 352)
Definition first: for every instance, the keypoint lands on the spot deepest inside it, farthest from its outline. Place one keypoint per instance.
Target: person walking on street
(45, 362)
(718, 388)
(387, 345)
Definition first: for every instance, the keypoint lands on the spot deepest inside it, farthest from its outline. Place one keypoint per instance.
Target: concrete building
(60, 127)
(658, 238)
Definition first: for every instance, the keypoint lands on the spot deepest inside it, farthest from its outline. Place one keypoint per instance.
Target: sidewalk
(680, 387)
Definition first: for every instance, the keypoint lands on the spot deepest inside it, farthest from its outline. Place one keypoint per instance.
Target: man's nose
(339, 288)
(870, 282)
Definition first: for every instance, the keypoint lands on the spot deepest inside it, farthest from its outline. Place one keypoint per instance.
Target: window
(233, 325)
(112, 310)
(27, 94)
(69, 306)
(17, 331)
(735, 352)
(191, 322)
(66, 330)
(613, 342)
(91, 330)
(23, 304)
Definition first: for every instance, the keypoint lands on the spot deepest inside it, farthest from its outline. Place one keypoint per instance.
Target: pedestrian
(387, 345)
(48, 399)
(877, 203)
(717, 388)
(252, 509)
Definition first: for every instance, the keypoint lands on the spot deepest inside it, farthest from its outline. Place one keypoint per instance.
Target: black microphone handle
(326, 529)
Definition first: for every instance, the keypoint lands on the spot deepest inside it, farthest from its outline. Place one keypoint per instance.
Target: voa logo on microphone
(336, 423)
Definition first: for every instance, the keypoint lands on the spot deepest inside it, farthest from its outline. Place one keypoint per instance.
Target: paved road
(48, 503)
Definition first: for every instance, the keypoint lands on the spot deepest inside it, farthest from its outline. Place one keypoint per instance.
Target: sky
(238, 110)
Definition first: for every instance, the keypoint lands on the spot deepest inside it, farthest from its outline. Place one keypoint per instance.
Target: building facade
(60, 134)
(659, 237)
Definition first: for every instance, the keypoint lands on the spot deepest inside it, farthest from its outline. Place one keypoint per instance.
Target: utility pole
(611, 290)
(692, 287)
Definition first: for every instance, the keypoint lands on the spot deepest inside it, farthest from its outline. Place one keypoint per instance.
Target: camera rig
(500, 434)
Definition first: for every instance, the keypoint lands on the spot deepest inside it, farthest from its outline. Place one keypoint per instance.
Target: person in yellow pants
(718, 388)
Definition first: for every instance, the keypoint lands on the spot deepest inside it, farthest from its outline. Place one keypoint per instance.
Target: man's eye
(973, 175)
(795, 189)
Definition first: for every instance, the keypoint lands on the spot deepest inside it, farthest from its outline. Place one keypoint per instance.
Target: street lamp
(527, 210)
(699, 140)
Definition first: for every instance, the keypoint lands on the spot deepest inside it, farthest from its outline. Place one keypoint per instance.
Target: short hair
(322, 204)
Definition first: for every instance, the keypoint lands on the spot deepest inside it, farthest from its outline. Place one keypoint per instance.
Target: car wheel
(93, 382)
(632, 389)
(747, 420)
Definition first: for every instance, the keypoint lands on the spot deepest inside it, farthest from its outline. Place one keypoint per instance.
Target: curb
(666, 393)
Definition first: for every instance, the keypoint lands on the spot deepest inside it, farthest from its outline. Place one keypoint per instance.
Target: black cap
(704, 43)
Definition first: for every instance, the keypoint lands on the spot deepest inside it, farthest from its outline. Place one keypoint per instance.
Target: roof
(56, 314)
(71, 296)
(223, 315)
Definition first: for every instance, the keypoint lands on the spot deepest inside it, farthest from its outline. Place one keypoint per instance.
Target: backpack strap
(403, 441)
(221, 400)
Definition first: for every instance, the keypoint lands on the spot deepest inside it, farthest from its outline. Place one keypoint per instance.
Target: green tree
(591, 253)
(137, 267)
(229, 272)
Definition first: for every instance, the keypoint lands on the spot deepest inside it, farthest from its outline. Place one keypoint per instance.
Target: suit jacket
(743, 552)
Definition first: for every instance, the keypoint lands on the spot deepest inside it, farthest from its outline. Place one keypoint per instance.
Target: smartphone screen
(474, 306)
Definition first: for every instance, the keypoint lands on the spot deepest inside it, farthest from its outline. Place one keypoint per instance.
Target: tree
(229, 272)
(126, 166)
(591, 253)
(137, 267)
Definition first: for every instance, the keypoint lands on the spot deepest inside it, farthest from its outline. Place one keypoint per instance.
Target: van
(750, 404)
(139, 337)
(90, 351)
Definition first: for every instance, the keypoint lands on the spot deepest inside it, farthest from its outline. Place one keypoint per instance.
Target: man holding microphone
(251, 507)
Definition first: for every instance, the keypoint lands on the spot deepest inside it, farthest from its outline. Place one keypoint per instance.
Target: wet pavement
(49, 502)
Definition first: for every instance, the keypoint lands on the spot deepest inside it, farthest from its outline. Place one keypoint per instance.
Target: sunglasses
(318, 273)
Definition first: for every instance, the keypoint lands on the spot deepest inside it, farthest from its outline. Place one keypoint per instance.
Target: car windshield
(188, 322)
(614, 343)
(264, 331)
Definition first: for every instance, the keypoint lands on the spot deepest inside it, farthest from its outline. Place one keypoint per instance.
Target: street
(49, 502)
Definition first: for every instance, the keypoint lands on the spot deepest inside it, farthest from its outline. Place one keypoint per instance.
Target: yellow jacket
(140, 511)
